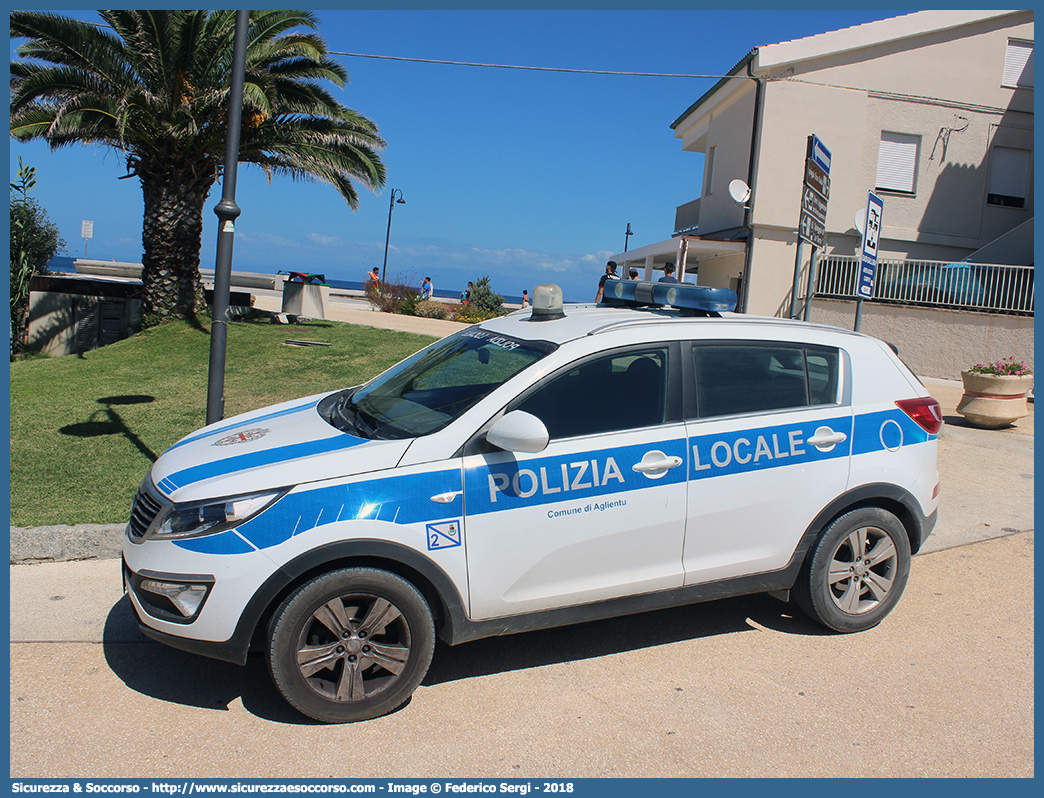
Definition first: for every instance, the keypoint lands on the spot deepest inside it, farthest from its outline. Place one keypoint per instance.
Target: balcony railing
(966, 286)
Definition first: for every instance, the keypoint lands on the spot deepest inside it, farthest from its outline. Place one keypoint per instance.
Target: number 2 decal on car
(444, 535)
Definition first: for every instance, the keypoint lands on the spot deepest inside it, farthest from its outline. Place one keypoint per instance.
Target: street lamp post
(387, 238)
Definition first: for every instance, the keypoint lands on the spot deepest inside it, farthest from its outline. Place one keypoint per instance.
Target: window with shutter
(1018, 65)
(1008, 178)
(897, 162)
(708, 172)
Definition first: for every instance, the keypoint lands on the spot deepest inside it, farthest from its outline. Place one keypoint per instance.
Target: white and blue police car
(556, 465)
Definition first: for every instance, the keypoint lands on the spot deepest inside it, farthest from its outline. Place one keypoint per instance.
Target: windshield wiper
(346, 416)
(368, 419)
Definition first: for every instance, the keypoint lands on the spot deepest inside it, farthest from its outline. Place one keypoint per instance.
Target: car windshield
(426, 392)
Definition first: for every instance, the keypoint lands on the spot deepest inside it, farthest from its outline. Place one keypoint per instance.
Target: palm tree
(154, 85)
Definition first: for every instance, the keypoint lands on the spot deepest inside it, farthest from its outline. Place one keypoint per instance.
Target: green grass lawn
(85, 429)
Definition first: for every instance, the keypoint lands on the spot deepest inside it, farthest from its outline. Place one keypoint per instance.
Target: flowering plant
(1006, 366)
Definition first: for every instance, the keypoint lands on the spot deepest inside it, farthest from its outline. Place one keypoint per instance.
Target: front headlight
(209, 517)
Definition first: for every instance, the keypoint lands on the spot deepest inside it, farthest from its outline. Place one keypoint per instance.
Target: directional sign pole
(815, 193)
(811, 292)
(797, 277)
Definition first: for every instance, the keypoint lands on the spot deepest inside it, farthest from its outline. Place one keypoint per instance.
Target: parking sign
(871, 240)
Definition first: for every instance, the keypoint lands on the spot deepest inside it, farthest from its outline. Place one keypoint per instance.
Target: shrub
(486, 299)
(471, 314)
(391, 295)
(34, 241)
(408, 304)
(430, 309)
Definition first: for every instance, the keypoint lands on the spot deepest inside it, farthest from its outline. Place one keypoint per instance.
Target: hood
(274, 447)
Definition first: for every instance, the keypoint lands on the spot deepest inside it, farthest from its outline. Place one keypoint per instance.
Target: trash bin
(305, 295)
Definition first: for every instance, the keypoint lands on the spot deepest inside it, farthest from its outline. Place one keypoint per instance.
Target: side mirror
(518, 431)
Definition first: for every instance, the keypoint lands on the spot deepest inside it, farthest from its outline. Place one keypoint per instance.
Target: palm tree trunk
(174, 194)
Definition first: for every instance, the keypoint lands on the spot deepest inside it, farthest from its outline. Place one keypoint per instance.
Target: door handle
(446, 498)
(656, 462)
(825, 438)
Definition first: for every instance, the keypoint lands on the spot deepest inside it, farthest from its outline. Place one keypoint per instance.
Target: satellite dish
(860, 220)
(739, 191)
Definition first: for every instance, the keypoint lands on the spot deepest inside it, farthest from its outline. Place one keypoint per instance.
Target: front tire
(350, 645)
(856, 571)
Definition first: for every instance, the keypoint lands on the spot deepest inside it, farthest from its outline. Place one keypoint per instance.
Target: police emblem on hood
(243, 437)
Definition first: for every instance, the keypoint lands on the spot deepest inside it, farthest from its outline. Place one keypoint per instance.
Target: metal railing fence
(966, 286)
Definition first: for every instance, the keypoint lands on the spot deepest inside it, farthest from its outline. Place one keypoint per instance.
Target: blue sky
(526, 177)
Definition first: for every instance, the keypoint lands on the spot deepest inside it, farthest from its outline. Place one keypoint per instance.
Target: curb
(46, 544)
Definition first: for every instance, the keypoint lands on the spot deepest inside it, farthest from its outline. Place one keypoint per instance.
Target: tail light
(925, 410)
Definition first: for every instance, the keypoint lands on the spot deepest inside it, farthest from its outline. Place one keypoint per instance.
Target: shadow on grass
(112, 423)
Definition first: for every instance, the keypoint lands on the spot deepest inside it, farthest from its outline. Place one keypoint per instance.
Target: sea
(66, 265)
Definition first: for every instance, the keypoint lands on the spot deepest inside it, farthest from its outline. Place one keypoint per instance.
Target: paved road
(944, 687)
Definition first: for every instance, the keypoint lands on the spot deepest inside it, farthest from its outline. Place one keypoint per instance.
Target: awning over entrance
(682, 251)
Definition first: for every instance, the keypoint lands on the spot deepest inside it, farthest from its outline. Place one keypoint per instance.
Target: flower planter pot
(991, 401)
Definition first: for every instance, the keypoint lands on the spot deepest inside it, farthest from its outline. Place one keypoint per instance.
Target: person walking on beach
(525, 299)
(610, 274)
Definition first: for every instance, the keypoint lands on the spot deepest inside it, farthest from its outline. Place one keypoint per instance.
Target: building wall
(791, 113)
(963, 64)
(721, 272)
(935, 343)
(728, 132)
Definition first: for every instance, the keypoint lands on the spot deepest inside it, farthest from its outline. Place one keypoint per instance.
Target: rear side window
(627, 390)
(735, 378)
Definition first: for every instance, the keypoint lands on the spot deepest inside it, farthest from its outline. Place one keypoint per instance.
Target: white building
(932, 110)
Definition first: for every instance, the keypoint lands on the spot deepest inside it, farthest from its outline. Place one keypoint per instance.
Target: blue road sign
(871, 240)
(820, 155)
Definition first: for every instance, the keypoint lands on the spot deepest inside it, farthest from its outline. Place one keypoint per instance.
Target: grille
(143, 513)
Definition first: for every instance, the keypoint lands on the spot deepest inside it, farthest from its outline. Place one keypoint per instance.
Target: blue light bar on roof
(679, 295)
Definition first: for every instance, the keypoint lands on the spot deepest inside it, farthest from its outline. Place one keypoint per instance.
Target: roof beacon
(547, 303)
(690, 299)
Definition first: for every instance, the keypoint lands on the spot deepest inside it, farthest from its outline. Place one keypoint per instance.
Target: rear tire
(350, 645)
(856, 570)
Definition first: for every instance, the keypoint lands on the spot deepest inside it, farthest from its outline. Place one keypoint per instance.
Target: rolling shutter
(1009, 174)
(897, 162)
(1018, 64)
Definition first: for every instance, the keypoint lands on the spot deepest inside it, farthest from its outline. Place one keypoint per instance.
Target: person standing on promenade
(668, 274)
(610, 274)
(427, 289)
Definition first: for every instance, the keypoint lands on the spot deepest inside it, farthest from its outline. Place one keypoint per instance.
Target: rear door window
(740, 377)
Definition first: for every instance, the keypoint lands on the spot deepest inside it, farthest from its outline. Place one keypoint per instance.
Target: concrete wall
(132, 271)
(57, 324)
(935, 343)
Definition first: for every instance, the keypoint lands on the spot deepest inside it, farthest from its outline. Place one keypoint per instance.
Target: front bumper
(234, 649)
